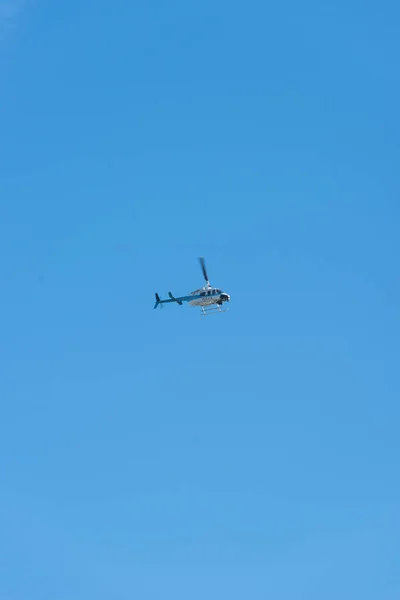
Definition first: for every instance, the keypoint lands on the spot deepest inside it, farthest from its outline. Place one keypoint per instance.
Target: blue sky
(149, 454)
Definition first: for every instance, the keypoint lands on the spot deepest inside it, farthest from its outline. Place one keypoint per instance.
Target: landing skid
(209, 310)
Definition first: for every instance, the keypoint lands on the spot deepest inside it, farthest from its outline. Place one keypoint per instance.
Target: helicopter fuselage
(208, 297)
(204, 297)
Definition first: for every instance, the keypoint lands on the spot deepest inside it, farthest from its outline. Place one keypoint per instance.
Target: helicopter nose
(225, 297)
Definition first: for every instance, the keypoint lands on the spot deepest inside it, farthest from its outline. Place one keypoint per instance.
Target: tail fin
(158, 301)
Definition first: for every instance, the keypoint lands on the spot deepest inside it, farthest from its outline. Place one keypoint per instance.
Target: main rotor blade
(203, 268)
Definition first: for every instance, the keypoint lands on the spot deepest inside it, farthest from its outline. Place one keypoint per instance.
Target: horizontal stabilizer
(175, 299)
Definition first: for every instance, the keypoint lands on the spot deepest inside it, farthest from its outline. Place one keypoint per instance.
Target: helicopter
(208, 298)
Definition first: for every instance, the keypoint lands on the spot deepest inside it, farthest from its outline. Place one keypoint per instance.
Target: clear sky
(159, 454)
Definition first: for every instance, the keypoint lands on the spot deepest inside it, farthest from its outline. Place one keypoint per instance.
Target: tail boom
(171, 299)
